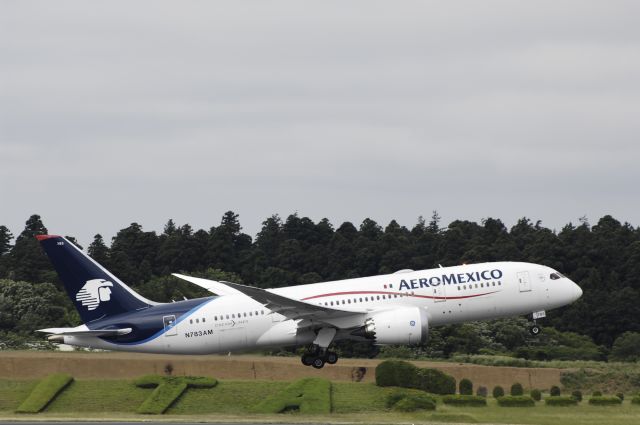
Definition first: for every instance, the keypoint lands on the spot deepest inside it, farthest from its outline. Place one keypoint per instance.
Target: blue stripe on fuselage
(147, 324)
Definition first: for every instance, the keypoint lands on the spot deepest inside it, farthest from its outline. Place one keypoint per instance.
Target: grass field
(233, 400)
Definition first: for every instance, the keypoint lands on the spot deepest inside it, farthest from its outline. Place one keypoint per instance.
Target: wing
(216, 287)
(288, 307)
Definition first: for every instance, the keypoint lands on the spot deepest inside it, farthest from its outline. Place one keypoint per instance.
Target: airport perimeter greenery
(351, 402)
(604, 259)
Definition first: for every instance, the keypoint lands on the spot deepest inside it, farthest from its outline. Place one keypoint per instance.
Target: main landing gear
(316, 358)
(317, 354)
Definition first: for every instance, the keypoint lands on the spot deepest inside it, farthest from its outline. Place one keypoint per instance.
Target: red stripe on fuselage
(333, 294)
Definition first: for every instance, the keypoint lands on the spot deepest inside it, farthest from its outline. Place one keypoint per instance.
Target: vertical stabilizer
(95, 292)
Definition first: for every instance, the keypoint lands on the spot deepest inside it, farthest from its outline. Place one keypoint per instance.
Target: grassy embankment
(584, 375)
(235, 400)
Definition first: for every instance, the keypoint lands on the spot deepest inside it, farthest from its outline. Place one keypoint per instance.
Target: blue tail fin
(95, 292)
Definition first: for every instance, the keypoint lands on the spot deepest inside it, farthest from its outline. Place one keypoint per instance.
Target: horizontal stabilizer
(84, 332)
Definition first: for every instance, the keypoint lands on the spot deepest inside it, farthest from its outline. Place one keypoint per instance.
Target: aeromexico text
(452, 278)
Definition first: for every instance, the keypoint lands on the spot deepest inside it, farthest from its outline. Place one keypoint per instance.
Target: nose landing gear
(535, 329)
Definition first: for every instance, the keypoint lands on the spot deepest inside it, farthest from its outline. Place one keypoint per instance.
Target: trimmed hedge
(620, 396)
(536, 394)
(464, 400)
(44, 393)
(309, 395)
(465, 387)
(577, 394)
(498, 391)
(167, 390)
(560, 401)
(435, 382)
(605, 400)
(555, 391)
(636, 399)
(397, 373)
(516, 401)
(413, 402)
(596, 394)
(516, 389)
(482, 391)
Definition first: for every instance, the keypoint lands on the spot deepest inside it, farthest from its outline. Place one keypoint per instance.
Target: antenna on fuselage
(440, 265)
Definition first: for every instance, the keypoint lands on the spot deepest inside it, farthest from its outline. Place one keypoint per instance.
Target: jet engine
(405, 326)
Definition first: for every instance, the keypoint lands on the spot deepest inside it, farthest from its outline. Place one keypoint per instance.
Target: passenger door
(170, 328)
(524, 283)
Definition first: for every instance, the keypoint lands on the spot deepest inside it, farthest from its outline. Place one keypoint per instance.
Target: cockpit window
(556, 276)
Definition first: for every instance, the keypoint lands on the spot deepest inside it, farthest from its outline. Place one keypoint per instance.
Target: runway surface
(146, 421)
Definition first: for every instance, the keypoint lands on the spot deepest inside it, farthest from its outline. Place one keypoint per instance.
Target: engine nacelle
(404, 326)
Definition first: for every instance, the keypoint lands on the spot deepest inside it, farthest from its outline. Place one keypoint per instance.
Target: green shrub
(620, 396)
(309, 395)
(555, 391)
(396, 373)
(498, 391)
(482, 391)
(597, 394)
(163, 396)
(167, 390)
(560, 401)
(577, 394)
(394, 397)
(605, 400)
(464, 400)
(516, 389)
(516, 401)
(636, 399)
(435, 382)
(413, 402)
(465, 387)
(44, 392)
(536, 394)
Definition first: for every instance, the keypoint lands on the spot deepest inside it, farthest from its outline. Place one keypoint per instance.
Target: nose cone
(577, 291)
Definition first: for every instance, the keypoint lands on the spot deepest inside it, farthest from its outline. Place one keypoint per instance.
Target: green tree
(626, 348)
(99, 251)
(5, 240)
(28, 262)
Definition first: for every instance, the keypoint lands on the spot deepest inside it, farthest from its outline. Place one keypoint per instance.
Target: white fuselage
(448, 295)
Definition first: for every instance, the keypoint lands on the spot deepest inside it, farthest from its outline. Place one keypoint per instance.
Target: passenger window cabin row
(342, 302)
(229, 316)
(480, 285)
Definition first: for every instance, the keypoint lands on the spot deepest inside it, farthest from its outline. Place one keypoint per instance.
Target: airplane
(396, 308)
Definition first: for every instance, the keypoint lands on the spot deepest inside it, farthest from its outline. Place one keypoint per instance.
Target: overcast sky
(114, 112)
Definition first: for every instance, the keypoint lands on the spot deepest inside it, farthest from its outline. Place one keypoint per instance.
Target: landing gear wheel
(318, 363)
(534, 330)
(331, 357)
(307, 359)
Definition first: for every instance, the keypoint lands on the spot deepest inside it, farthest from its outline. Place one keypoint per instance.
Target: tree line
(604, 259)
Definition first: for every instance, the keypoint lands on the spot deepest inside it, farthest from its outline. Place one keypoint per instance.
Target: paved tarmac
(145, 421)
